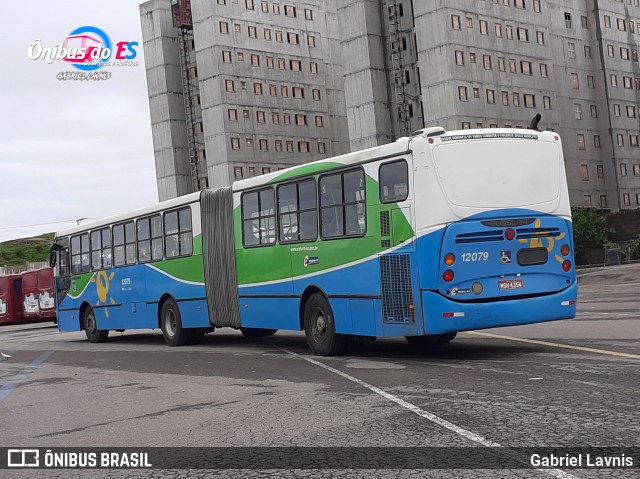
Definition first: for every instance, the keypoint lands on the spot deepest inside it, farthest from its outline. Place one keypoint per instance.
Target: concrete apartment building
(238, 88)
(406, 64)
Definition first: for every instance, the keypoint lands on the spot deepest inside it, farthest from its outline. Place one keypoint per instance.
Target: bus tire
(430, 339)
(171, 324)
(320, 328)
(257, 332)
(90, 326)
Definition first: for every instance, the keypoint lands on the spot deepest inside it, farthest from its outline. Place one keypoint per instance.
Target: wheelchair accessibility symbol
(505, 256)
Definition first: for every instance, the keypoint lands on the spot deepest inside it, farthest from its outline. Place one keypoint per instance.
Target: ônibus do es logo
(87, 49)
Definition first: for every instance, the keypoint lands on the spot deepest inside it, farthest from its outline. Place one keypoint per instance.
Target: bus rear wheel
(90, 326)
(171, 324)
(257, 332)
(320, 328)
(430, 339)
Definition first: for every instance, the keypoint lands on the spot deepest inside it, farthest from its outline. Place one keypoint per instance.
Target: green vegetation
(25, 250)
(590, 231)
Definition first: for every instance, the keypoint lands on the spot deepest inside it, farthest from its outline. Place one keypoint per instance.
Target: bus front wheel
(171, 324)
(90, 326)
(430, 339)
(320, 328)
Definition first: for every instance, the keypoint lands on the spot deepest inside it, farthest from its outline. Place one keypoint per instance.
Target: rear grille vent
(481, 237)
(530, 233)
(397, 292)
(385, 229)
(385, 243)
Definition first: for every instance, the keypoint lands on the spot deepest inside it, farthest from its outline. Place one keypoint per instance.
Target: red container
(46, 297)
(30, 308)
(11, 299)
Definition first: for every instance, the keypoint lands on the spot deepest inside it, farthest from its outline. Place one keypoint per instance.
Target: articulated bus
(431, 235)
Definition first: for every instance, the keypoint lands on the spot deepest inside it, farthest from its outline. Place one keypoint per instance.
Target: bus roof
(146, 210)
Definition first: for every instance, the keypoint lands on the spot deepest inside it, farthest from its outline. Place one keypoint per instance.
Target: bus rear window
(499, 174)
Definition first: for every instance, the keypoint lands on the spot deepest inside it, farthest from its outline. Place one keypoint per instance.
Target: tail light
(565, 250)
(448, 276)
(510, 234)
(449, 259)
(566, 265)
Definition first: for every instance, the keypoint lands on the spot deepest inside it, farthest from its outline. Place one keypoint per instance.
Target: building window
(603, 201)
(581, 144)
(303, 146)
(586, 200)
(455, 22)
(571, 48)
(523, 34)
(237, 172)
(516, 99)
(623, 169)
(249, 5)
(626, 198)
(284, 91)
(229, 85)
(498, 29)
(224, 28)
(536, 6)
(525, 68)
(292, 38)
(505, 98)
(607, 21)
(584, 172)
(546, 100)
(584, 21)
(590, 81)
(308, 14)
(462, 93)
(311, 40)
(567, 20)
(319, 121)
(575, 84)
(577, 109)
(483, 27)
(621, 24)
(596, 141)
(616, 109)
(636, 170)
(235, 143)
(540, 38)
(273, 90)
(594, 111)
(301, 120)
(233, 114)
(257, 88)
(529, 100)
(226, 56)
(321, 147)
(587, 51)
(276, 9)
(620, 139)
(255, 60)
(290, 11)
(295, 65)
(264, 145)
(486, 60)
(253, 32)
(313, 67)
(543, 70)
(610, 51)
(269, 62)
(260, 117)
(287, 118)
(466, 125)
(278, 145)
(459, 57)
(491, 97)
(282, 64)
(614, 80)
(275, 117)
(290, 146)
(600, 171)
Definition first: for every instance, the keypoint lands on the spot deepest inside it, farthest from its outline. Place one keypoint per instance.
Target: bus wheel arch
(163, 299)
(90, 325)
(320, 328)
(308, 292)
(171, 323)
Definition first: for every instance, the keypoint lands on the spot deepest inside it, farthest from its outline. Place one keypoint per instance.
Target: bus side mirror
(55, 247)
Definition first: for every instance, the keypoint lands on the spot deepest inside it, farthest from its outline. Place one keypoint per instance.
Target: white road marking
(425, 414)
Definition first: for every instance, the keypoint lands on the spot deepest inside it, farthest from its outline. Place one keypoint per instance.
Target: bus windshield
(498, 174)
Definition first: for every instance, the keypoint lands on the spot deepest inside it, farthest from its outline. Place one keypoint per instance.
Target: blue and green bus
(431, 235)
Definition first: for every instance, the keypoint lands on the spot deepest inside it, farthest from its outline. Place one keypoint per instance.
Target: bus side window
(156, 238)
(144, 240)
(106, 248)
(130, 242)
(259, 218)
(118, 245)
(343, 205)
(96, 250)
(171, 245)
(86, 255)
(394, 182)
(76, 254)
(185, 240)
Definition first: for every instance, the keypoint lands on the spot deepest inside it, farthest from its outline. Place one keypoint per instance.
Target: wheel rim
(318, 325)
(170, 322)
(90, 323)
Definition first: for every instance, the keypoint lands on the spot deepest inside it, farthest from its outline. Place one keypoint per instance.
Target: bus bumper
(445, 316)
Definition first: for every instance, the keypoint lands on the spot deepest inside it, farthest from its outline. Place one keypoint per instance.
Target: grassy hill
(24, 250)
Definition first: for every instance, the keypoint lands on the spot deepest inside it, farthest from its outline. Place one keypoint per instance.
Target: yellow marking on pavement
(558, 345)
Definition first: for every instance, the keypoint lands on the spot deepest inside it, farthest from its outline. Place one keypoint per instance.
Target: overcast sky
(70, 149)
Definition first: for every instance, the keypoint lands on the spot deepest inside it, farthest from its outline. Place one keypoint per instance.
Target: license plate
(507, 284)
